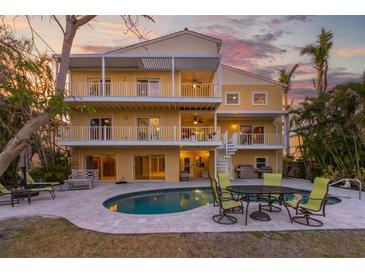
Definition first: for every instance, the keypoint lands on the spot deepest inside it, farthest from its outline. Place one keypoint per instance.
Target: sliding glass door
(105, 164)
(149, 167)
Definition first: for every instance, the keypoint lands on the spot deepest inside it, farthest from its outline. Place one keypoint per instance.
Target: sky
(258, 44)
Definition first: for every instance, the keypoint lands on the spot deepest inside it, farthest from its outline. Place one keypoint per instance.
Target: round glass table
(247, 191)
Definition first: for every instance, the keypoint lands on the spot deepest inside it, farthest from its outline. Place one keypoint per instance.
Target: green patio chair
(272, 179)
(316, 202)
(226, 205)
(38, 186)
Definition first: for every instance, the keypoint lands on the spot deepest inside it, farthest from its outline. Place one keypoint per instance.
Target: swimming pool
(173, 200)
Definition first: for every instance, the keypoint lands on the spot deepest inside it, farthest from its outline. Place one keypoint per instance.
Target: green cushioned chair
(316, 202)
(38, 186)
(33, 183)
(226, 205)
(272, 179)
(224, 181)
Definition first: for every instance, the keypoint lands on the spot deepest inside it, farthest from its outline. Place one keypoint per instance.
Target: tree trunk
(19, 141)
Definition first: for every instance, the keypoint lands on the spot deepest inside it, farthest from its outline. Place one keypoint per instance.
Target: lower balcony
(138, 135)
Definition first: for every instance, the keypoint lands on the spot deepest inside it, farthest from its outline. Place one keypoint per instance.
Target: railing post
(173, 75)
(103, 75)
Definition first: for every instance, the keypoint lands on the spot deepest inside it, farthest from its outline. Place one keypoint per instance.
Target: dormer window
(232, 98)
(259, 98)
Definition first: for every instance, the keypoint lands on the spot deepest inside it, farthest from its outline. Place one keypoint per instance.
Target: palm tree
(320, 55)
(285, 78)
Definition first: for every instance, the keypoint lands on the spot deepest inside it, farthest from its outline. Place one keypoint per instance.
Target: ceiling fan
(197, 120)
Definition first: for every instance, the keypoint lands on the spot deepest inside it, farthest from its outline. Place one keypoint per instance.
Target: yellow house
(168, 108)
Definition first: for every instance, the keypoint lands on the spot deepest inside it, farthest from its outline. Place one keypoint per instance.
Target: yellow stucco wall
(125, 159)
(274, 93)
(233, 125)
(123, 76)
(127, 117)
(248, 157)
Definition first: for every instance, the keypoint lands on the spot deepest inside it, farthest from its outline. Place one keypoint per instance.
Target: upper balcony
(183, 95)
(113, 81)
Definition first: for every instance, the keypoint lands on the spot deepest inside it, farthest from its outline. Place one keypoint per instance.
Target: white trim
(264, 157)
(106, 143)
(260, 92)
(232, 93)
(85, 99)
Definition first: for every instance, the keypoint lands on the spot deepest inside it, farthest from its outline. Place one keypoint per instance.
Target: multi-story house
(167, 107)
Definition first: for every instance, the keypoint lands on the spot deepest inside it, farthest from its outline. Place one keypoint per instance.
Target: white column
(103, 75)
(286, 133)
(220, 76)
(215, 163)
(173, 75)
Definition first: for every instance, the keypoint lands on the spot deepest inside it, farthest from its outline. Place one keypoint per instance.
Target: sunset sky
(260, 44)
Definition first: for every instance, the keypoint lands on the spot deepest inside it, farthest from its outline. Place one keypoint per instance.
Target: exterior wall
(125, 159)
(274, 97)
(247, 157)
(123, 76)
(233, 125)
(183, 45)
(127, 117)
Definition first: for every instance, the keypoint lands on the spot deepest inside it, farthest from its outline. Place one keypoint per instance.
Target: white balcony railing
(135, 89)
(260, 139)
(138, 133)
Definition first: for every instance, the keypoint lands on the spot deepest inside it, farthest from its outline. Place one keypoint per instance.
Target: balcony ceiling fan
(197, 120)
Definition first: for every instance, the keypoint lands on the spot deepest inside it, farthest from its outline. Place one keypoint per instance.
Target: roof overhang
(94, 62)
(264, 114)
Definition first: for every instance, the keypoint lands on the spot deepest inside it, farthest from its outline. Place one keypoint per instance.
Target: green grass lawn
(42, 237)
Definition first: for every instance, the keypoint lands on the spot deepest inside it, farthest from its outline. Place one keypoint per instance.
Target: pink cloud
(351, 52)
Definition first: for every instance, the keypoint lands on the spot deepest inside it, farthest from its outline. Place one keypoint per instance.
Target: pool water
(172, 200)
(160, 201)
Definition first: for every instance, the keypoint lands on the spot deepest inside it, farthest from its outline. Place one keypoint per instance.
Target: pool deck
(85, 209)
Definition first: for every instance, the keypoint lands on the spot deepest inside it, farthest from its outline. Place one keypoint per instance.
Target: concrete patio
(85, 209)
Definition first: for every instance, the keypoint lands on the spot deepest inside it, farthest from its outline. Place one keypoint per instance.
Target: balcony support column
(286, 134)
(219, 90)
(173, 75)
(103, 75)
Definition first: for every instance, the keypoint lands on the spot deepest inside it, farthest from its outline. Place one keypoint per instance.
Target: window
(259, 98)
(148, 128)
(95, 87)
(100, 128)
(232, 98)
(261, 162)
(148, 87)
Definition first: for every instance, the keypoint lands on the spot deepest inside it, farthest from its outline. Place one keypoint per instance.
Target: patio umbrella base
(270, 208)
(260, 216)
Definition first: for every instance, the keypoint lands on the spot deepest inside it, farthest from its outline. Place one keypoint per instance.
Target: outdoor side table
(247, 191)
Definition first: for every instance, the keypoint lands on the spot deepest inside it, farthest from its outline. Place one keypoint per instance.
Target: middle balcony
(139, 135)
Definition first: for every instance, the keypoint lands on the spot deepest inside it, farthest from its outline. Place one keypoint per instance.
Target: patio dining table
(247, 191)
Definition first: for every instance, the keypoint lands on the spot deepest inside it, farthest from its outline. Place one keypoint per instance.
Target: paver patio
(85, 209)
